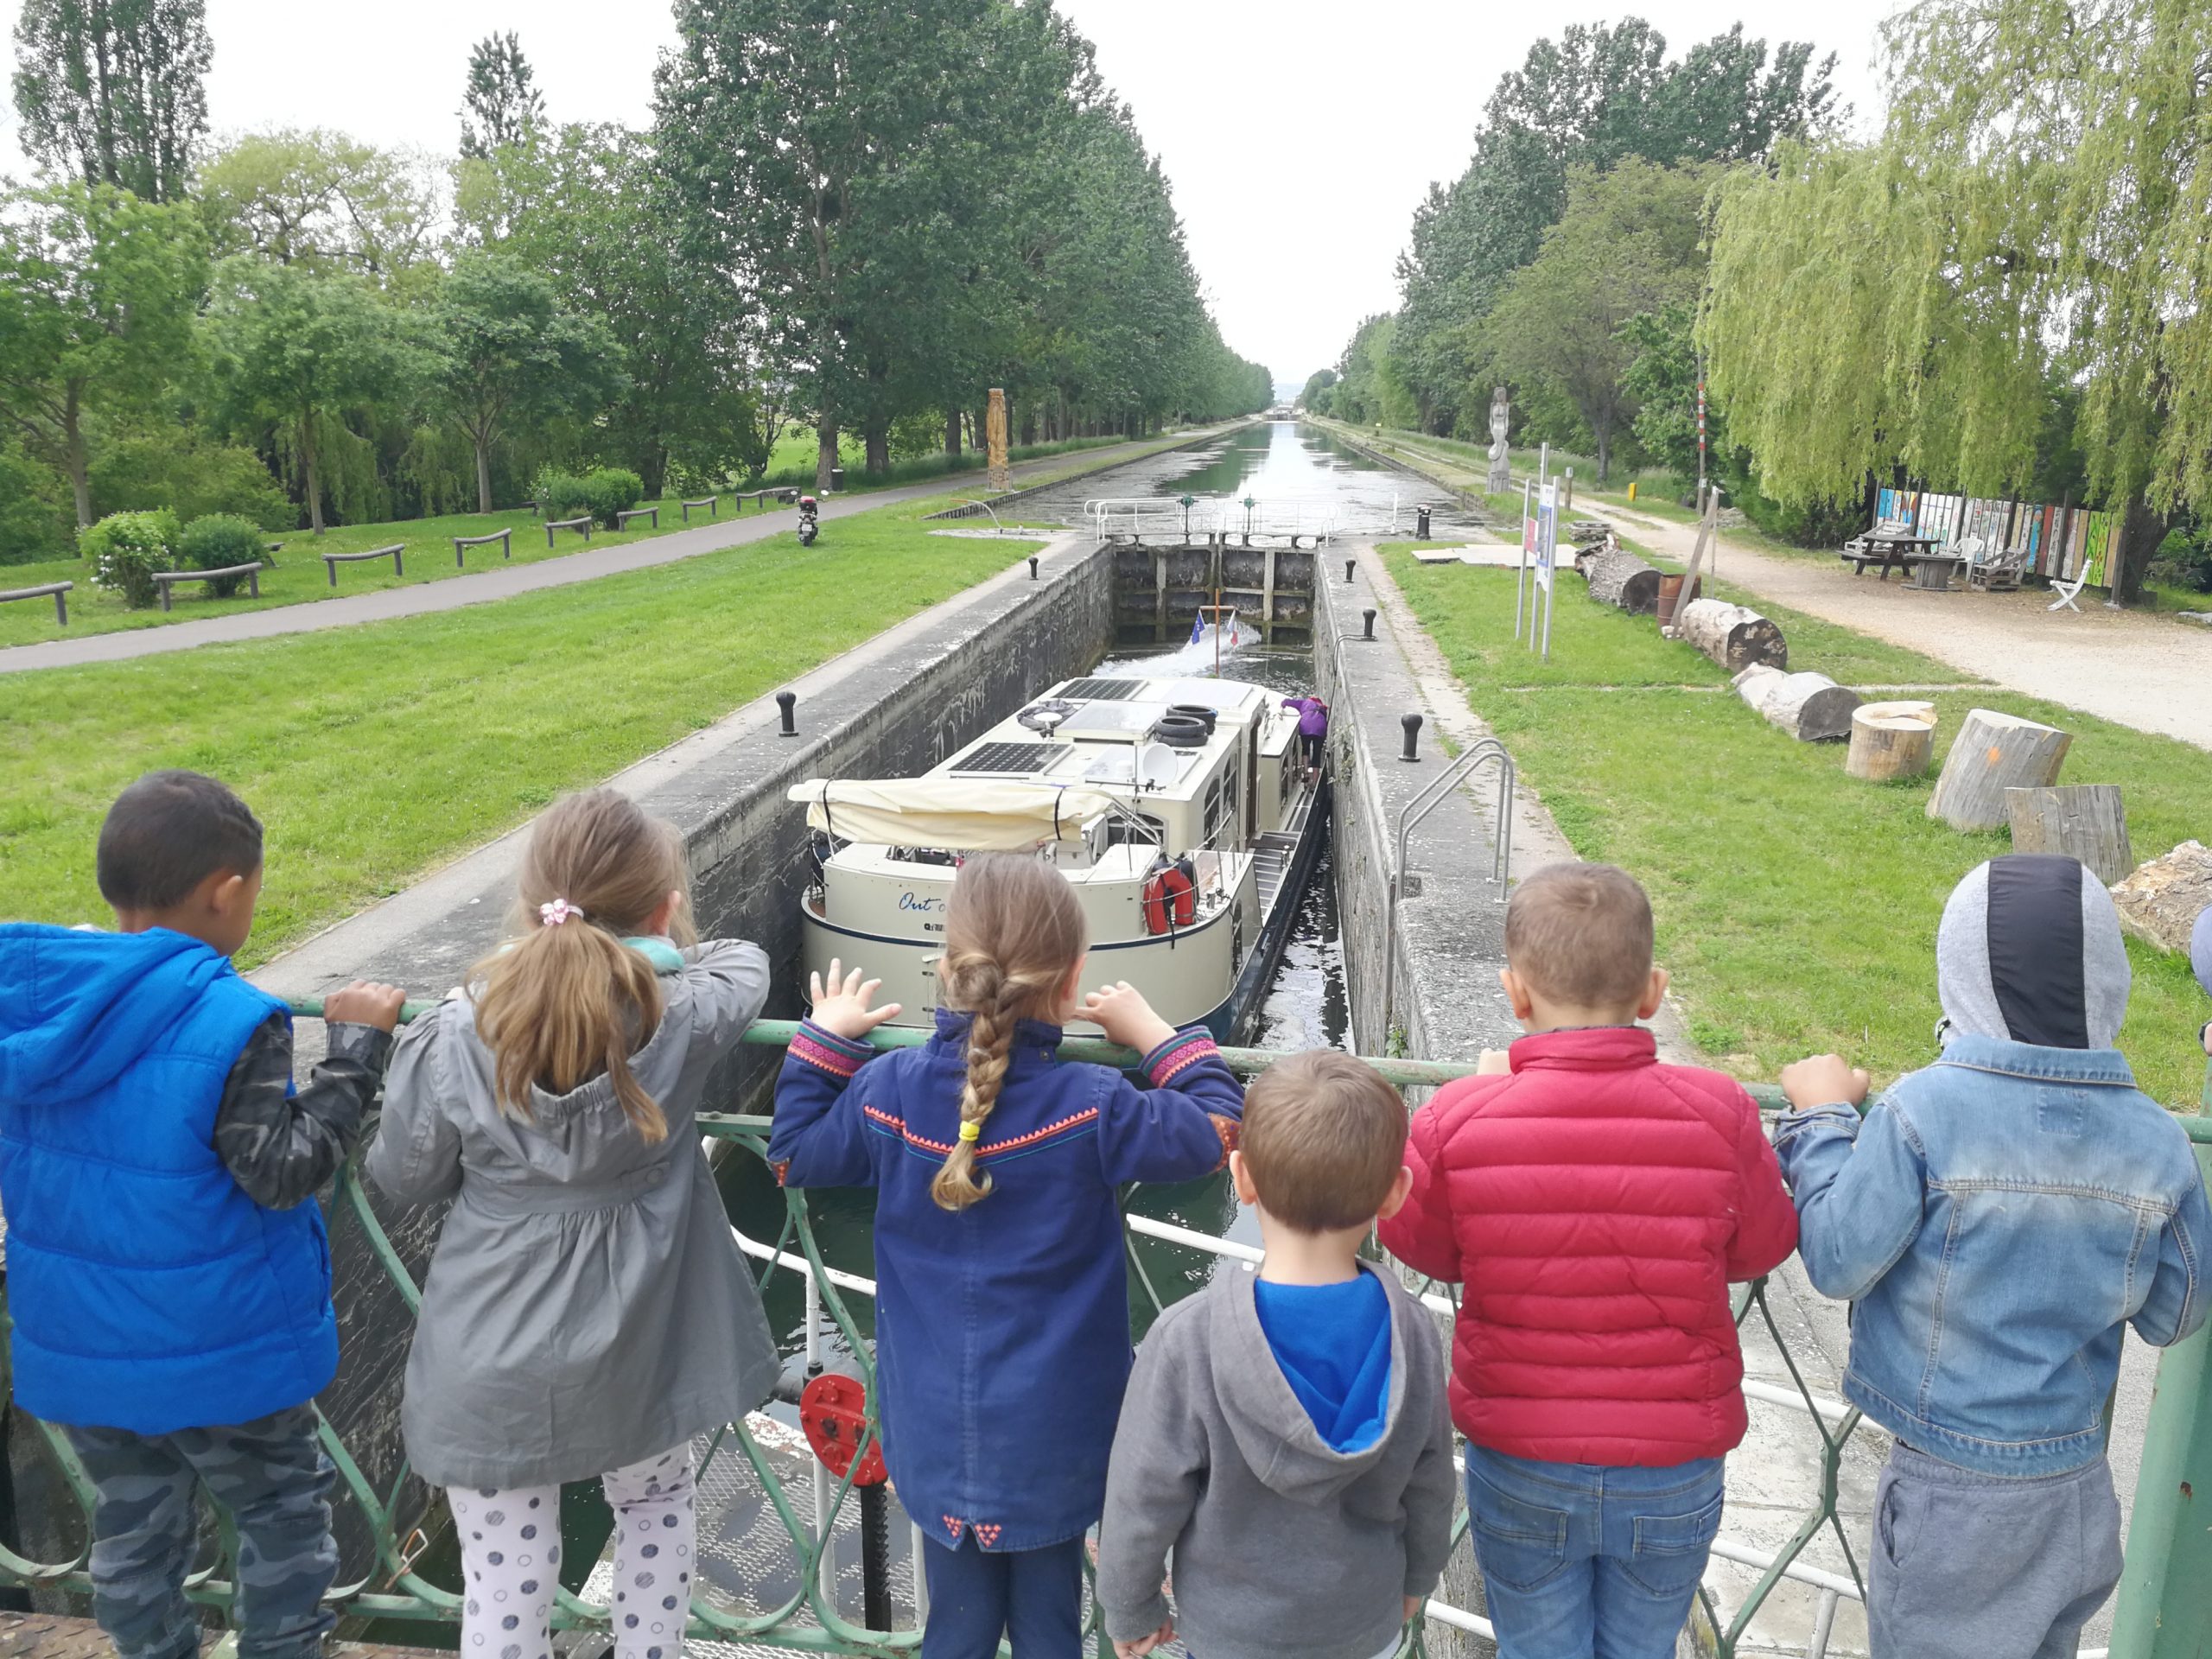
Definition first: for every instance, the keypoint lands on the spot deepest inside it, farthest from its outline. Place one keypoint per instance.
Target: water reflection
(1275, 462)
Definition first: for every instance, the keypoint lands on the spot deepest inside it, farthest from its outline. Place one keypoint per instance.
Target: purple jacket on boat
(1312, 716)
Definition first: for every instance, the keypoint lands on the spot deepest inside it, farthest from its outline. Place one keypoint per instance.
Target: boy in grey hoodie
(1284, 1433)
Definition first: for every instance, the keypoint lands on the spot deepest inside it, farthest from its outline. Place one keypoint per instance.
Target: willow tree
(2033, 214)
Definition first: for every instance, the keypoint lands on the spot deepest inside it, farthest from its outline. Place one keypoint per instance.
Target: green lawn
(300, 575)
(376, 754)
(1797, 908)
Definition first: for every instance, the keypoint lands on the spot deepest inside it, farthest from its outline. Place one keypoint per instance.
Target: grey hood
(1273, 1431)
(2029, 951)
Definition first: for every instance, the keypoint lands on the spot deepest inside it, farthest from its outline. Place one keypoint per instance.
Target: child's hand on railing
(365, 1003)
(1823, 1080)
(1145, 1644)
(1121, 1013)
(843, 1008)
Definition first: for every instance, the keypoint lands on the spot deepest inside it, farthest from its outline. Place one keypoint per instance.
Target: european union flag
(1197, 628)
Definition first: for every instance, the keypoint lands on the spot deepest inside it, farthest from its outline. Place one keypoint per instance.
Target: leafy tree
(847, 160)
(507, 353)
(1662, 378)
(321, 198)
(501, 96)
(590, 207)
(1594, 97)
(296, 350)
(1628, 244)
(98, 290)
(1316, 384)
(2032, 217)
(110, 91)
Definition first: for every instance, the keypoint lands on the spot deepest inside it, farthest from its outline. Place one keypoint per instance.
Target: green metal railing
(2168, 1566)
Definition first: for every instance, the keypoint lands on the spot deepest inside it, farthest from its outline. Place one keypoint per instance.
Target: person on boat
(1313, 730)
(587, 1313)
(1002, 1332)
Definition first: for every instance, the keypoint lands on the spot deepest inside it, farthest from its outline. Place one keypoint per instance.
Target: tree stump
(1622, 579)
(2162, 898)
(1890, 740)
(1734, 636)
(2084, 821)
(1994, 753)
(1811, 708)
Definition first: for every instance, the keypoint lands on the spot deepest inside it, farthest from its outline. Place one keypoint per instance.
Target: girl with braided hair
(1002, 1310)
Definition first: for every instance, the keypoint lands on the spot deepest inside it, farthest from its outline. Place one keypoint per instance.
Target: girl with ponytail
(1003, 1306)
(586, 1313)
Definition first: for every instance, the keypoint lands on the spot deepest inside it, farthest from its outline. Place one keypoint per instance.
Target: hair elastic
(971, 1132)
(555, 912)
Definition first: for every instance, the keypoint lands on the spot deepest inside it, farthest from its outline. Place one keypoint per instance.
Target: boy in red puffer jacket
(1596, 1205)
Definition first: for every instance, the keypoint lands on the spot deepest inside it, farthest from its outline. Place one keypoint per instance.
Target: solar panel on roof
(1104, 691)
(1012, 757)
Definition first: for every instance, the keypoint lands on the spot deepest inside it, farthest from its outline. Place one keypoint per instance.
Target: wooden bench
(706, 501)
(167, 580)
(502, 537)
(582, 525)
(622, 519)
(332, 560)
(57, 591)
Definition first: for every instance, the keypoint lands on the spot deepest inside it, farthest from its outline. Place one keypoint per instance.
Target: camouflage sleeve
(279, 1146)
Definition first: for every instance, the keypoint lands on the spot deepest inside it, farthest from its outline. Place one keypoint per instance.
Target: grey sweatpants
(273, 1478)
(1967, 1564)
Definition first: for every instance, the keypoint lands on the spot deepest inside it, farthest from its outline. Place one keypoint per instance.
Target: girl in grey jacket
(587, 1312)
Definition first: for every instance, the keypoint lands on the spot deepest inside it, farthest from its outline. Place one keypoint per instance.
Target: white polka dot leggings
(510, 1549)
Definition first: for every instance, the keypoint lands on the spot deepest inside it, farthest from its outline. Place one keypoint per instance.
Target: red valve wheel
(833, 1410)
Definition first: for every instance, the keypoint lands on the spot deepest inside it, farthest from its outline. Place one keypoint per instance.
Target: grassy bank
(374, 755)
(1797, 908)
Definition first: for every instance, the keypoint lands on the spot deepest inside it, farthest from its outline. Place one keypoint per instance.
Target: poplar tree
(111, 90)
(501, 104)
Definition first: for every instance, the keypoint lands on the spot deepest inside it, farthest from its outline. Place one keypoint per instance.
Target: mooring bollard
(786, 701)
(1411, 723)
(1420, 523)
(1368, 632)
(1032, 567)
(1348, 563)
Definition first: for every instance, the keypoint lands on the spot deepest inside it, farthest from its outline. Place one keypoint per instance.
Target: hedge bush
(611, 490)
(219, 540)
(560, 494)
(126, 549)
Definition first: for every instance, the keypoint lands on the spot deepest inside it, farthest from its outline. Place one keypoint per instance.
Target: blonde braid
(1013, 933)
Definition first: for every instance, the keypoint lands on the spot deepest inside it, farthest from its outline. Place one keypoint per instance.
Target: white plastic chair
(1975, 551)
(2068, 592)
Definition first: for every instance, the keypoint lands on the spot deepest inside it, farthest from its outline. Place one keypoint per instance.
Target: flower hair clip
(557, 911)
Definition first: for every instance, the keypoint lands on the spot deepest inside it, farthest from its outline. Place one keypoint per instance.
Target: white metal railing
(1287, 518)
(1831, 1588)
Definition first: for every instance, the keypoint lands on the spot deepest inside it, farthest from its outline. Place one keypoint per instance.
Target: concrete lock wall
(891, 707)
(1157, 591)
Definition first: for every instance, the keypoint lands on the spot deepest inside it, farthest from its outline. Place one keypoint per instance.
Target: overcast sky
(1299, 134)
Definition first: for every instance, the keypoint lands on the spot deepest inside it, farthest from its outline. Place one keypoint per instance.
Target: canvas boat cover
(969, 815)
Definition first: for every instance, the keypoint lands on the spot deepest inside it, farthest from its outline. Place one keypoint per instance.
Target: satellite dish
(1158, 766)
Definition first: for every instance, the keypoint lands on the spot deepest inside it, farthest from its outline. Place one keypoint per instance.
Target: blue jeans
(1584, 1561)
(1031, 1597)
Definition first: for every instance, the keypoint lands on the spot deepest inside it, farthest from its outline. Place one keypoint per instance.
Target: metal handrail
(1430, 798)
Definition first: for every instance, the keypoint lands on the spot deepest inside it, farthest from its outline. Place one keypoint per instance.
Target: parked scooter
(810, 523)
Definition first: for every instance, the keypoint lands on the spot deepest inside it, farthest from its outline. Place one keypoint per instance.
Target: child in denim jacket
(1996, 1219)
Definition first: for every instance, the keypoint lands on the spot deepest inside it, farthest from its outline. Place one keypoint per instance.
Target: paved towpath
(2133, 667)
(488, 587)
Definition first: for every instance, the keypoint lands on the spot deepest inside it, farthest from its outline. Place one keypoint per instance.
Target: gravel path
(488, 587)
(2135, 667)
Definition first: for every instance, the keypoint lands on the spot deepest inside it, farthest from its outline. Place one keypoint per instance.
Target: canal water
(1275, 462)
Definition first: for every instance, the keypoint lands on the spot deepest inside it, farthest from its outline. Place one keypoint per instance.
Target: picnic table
(1886, 550)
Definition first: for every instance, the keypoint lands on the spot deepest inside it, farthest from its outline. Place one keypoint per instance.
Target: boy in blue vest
(168, 1273)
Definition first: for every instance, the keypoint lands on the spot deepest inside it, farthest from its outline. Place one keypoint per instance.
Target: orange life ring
(1170, 895)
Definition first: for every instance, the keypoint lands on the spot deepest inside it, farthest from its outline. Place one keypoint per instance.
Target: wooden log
(2162, 898)
(2084, 821)
(1811, 708)
(1890, 740)
(1734, 636)
(1994, 753)
(1620, 578)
